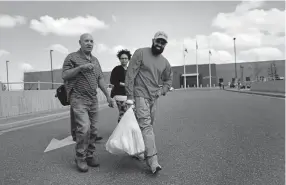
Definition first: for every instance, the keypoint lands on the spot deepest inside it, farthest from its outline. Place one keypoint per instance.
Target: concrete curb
(38, 120)
(258, 93)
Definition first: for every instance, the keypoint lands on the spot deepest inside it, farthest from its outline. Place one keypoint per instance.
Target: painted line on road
(43, 122)
(27, 120)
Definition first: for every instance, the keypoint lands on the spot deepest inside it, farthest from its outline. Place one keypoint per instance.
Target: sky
(28, 30)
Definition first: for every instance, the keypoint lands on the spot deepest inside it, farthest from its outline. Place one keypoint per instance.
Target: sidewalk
(248, 91)
(36, 118)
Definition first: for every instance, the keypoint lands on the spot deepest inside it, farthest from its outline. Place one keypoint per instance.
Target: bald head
(86, 43)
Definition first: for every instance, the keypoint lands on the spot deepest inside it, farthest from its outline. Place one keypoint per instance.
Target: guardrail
(13, 103)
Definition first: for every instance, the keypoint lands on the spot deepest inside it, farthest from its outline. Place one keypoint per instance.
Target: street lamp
(52, 75)
(7, 74)
(235, 58)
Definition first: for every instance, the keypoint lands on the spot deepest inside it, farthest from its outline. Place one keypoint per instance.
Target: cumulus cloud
(100, 48)
(258, 37)
(263, 53)
(60, 48)
(8, 21)
(26, 67)
(4, 52)
(67, 26)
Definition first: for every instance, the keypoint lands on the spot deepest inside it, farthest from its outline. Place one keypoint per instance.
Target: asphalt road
(203, 138)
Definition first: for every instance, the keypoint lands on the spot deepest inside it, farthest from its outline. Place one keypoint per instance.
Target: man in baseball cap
(161, 35)
(146, 67)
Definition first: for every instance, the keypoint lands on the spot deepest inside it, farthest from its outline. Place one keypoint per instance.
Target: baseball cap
(161, 35)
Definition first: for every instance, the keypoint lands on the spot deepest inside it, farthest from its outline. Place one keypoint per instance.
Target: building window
(247, 78)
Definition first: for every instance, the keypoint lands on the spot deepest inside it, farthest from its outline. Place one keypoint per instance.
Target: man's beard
(155, 51)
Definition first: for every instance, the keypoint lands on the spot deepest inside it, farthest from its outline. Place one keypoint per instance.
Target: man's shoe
(98, 138)
(152, 162)
(91, 161)
(81, 165)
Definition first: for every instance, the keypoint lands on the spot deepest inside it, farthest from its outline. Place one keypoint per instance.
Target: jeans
(86, 118)
(73, 124)
(145, 113)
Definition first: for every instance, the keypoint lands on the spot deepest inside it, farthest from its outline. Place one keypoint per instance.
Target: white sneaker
(152, 162)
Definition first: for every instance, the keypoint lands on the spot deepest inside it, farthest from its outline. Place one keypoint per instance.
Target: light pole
(7, 70)
(235, 58)
(52, 75)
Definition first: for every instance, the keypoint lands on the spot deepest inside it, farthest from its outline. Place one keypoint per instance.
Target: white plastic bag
(126, 137)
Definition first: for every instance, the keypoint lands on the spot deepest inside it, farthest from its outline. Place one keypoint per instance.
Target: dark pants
(85, 114)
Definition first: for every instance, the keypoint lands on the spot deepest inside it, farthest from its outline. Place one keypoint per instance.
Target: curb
(259, 93)
(38, 120)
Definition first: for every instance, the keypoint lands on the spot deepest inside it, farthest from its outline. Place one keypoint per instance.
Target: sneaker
(152, 162)
(81, 165)
(92, 162)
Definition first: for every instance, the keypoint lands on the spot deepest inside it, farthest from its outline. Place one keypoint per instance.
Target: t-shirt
(145, 72)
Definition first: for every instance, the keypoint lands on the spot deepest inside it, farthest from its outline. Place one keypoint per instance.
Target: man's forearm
(68, 74)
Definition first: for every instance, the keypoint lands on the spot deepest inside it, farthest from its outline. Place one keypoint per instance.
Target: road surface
(203, 138)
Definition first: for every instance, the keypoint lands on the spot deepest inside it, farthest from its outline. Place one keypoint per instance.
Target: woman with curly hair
(117, 79)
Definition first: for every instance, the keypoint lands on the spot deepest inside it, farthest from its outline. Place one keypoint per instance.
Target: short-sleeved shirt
(85, 83)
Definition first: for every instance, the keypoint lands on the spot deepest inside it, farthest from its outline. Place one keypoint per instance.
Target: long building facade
(248, 71)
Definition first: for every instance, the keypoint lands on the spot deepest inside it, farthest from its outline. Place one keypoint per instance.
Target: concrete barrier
(277, 86)
(14, 103)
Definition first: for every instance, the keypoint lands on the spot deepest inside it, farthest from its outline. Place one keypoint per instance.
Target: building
(248, 71)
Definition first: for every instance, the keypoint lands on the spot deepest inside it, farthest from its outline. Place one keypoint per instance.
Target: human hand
(121, 83)
(129, 103)
(88, 66)
(110, 102)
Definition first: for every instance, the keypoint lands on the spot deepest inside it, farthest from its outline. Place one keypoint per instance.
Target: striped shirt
(85, 83)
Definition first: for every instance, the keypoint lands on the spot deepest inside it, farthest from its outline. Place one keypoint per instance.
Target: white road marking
(43, 122)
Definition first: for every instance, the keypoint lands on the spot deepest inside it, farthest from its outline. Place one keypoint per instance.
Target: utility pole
(52, 75)
(7, 71)
(235, 58)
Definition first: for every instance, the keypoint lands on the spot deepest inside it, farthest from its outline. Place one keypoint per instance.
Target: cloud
(258, 37)
(60, 48)
(67, 26)
(115, 49)
(4, 52)
(7, 21)
(245, 18)
(264, 53)
(114, 18)
(26, 67)
(100, 48)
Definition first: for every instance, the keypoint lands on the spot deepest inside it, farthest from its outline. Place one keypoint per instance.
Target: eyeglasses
(123, 58)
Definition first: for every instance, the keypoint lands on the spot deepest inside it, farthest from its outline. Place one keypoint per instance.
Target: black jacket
(117, 76)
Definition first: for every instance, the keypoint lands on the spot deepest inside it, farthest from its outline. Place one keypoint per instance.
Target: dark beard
(155, 51)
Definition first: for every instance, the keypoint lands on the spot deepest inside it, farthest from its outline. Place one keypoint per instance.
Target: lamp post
(52, 75)
(235, 58)
(7, 71)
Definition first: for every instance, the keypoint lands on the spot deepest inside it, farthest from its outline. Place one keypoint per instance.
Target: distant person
(117, 79)
(82, 75)
(146, 67)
